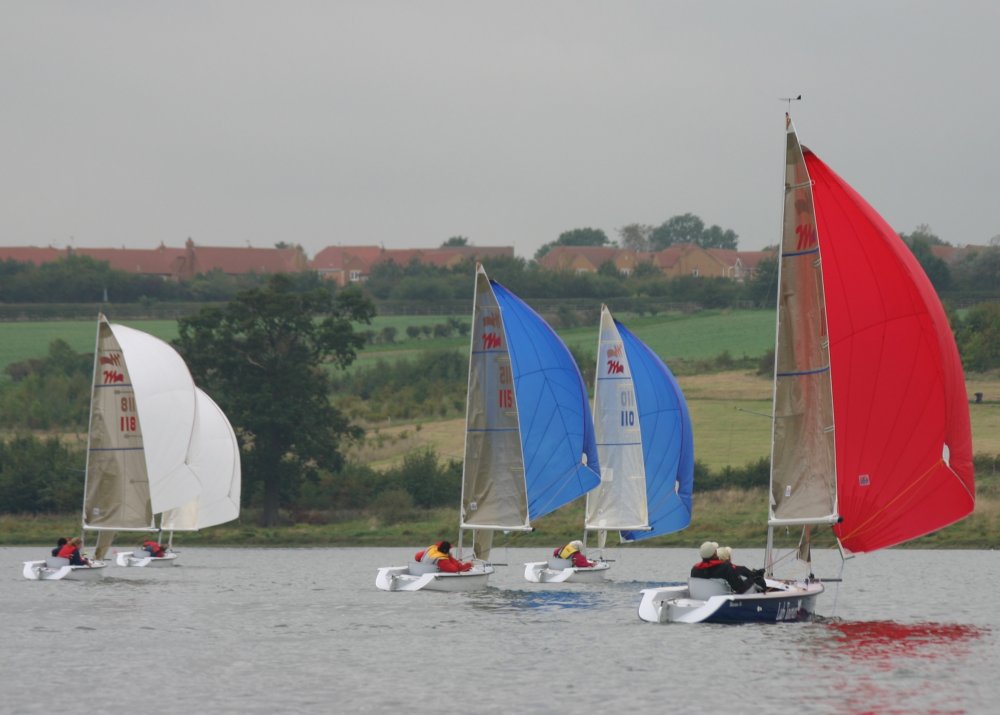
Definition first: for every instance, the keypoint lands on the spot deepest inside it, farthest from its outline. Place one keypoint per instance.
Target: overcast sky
(240, 122)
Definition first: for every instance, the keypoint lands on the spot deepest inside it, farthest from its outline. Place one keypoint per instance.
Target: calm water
(305, 630)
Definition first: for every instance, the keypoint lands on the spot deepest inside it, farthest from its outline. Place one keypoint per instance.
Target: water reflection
(879, 642)
(890, 667)
(514, 600)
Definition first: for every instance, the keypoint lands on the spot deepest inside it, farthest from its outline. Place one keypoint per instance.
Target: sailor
(573, 551)
(725, 554)
(59, 544)
(711, 566)
(154, 548)
(440, 554)
(71, 551)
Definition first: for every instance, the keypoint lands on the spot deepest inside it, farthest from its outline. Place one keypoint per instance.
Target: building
(353, 264)
(174, 263)
(682, 259)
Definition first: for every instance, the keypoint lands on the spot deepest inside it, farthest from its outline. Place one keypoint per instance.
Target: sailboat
(529, 443)
(870, 425)
(645, 447)
(214, 455)
(142, 412)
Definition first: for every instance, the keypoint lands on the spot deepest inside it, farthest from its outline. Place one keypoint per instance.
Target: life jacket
(711, 563)
(566, 552)
(67, 551)
(432, 554)
(153, 548)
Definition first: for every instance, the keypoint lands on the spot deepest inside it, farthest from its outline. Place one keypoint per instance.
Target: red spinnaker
(903, 440)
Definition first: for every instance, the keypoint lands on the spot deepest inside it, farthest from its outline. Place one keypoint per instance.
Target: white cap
(707, 549)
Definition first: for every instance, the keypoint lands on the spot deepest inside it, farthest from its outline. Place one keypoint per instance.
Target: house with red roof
(587, 259)
(353, 264)
(681, 259)
(173, 263)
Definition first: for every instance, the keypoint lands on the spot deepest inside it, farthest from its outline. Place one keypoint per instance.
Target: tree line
(73, 278)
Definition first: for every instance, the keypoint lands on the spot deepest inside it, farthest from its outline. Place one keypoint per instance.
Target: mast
(803, 489)
(90, 429)
(468, 394)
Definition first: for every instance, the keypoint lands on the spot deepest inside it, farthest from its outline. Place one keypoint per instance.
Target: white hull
(39, 571)
(539, 572)
(790, 601)
(399, 578)
(130, 558)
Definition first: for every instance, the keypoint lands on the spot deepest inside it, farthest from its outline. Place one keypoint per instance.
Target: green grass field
(728, 409)
(698, 336)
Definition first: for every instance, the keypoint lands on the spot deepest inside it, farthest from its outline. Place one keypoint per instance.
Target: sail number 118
(128, 422)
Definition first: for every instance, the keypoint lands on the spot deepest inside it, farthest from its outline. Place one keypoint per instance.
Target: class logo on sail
(615, 364)
(491, 339)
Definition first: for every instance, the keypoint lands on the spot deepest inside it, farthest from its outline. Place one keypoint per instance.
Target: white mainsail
(803, 461)
(619, 502)
(494, 495)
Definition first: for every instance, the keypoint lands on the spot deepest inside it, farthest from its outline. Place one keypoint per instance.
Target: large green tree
(264, 358)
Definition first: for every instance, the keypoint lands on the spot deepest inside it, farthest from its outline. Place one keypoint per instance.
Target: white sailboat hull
(133, 558)
(41, 571)
(539, 572)
(789, 601)
(399, 578)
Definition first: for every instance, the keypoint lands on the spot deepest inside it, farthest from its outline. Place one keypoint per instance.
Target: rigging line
(752, 412)
(916, 482)
(840, 580)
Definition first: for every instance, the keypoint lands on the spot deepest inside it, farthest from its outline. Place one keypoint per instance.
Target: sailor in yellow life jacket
(440, 554)
(573, 551)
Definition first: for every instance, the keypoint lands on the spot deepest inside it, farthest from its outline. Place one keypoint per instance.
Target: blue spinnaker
(557, 431)
(667, 440)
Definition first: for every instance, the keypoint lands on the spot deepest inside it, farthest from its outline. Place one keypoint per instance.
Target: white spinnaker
(165, 402)
(214, 455)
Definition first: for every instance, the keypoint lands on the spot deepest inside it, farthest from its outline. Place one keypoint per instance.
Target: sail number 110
(627, 400)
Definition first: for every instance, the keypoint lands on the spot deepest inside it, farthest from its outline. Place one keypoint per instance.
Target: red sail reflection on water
(885, 640)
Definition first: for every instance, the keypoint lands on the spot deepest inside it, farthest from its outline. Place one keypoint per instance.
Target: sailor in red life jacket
(711, 566)
(440, 555)
(573, 551)
(71, 551)
(154, 548)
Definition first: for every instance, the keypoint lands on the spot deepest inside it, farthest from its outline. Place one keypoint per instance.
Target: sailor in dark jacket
(711, 566)
(725, 554)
